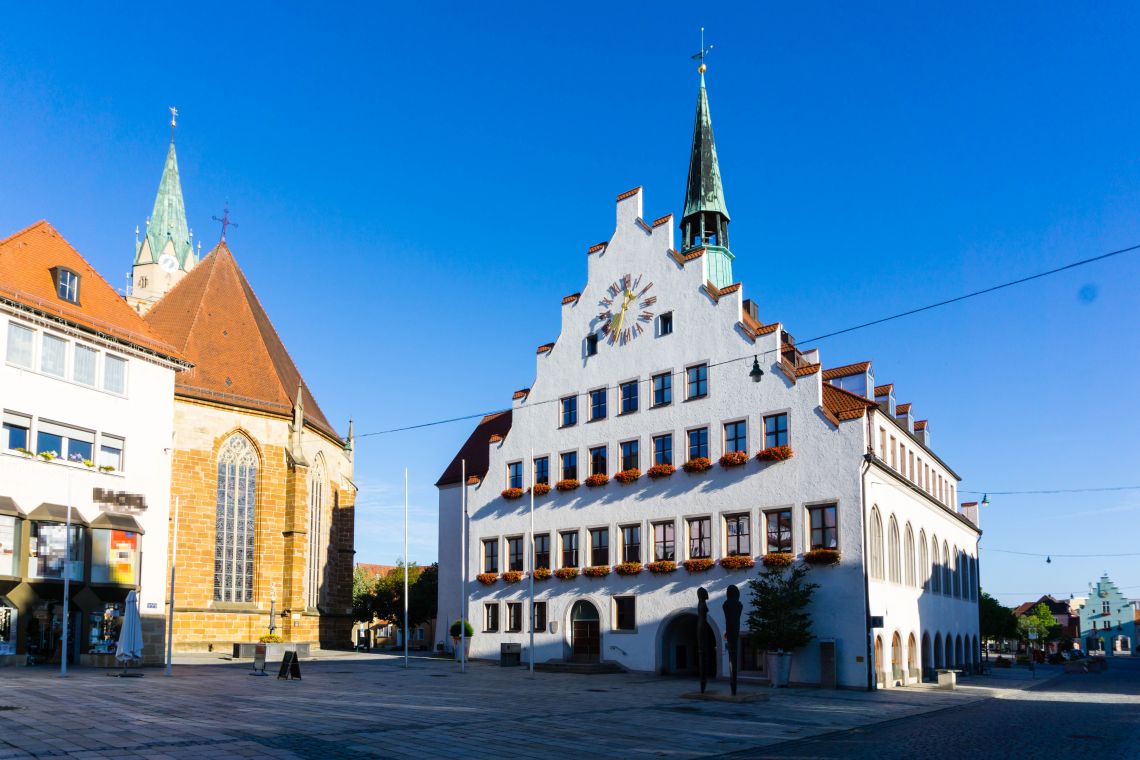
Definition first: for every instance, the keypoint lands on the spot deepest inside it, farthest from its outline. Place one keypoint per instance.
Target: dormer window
(66, 284)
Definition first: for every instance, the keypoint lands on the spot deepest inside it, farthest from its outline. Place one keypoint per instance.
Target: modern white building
(654, 368)
(87, 393)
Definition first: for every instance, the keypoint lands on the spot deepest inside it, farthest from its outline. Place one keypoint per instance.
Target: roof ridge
(29, 228)
(846, 392)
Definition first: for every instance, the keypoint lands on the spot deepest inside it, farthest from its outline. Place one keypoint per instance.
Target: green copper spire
(167, 223)
(705, 220)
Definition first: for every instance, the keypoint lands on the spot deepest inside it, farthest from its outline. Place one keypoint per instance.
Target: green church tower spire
(705, 220)
(167, 224)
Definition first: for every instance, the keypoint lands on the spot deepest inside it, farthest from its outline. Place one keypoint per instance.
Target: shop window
(8, 618)
(114, 557)
(48, 551)
(8, 564)
(103, 629)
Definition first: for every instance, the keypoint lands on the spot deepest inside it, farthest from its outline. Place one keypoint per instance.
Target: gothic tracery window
(235, 520)
(316, 531)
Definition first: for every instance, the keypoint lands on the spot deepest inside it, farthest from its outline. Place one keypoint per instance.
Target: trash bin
(510, 655)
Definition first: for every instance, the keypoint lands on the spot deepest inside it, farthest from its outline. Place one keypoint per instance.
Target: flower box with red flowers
(596, 571)
(698, 565)
(597, 480)
(777, 559)
(487, 578)
(541, 489)
(775, 454)
(512, 576)
(541, 573)
(737, 562)
(661, 471)
(734, 459)
(822, 557)
(512, 493)
(566, 573)
(628, 568)
(627, 476)
(569, 484)
(661, 566)
(697, 464)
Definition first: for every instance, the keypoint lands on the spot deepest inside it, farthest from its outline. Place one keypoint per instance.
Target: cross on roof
(225, 220)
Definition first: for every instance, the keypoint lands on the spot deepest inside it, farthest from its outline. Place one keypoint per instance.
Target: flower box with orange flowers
(628, 568)
(661, 566)
(822, 557)
(541, 489)
(777, 559)
(627, 476)
(597, 480)
(734, 459)
(737, 562)
(569, 484)
(698, 565)
(775, 454)
(661, 471)
(487, 578)
(596, 571)
(512, 493)
(541, 573)
(696, 465)
(512, 576)
(566, 573)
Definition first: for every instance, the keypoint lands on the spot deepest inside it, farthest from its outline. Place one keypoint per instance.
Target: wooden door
(587, 641)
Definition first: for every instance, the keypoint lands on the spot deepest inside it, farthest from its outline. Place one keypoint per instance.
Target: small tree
(779, 619)
(1040, 621)
(363, 595)
(468, 630)
(997, 621)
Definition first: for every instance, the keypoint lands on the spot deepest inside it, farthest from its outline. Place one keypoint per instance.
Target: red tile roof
(844, 404)
(902, 408)
(662, 220)
(920, 425)
(376, 571)
(571, 298)
(883, 390)
(520, 393)
(213, 316)
(26, 260)
(544, 348)
(476, 449)
(807, 369)
(629, 193)
(846, 371)
(596, 247)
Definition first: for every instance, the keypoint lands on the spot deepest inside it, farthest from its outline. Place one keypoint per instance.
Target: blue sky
(415, 186)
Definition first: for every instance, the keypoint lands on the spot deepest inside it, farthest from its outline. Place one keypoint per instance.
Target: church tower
(705, 220)
(166, 252)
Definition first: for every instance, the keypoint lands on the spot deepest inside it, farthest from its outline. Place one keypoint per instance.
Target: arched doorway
(880, 663)
(679, 654)
(949, 651)
(958, 660)
(927, 657)
(896, 660)
(585, 632)
(912, 657)
(939, 652)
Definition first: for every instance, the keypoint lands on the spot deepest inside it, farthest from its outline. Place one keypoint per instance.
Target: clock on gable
(168, 262)
(620, 325)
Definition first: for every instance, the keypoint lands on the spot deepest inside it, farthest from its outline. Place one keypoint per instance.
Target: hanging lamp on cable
(756, 372)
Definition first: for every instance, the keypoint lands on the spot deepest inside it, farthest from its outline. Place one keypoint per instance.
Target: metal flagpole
(66, 584)
(405, 567)
(170, 612)
(463, 569)
(532, 562)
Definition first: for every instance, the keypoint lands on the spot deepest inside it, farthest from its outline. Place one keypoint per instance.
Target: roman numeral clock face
(626, 310)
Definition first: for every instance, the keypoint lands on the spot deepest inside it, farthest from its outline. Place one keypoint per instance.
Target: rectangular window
(83, 364)
(569, 411)
(570, 465)
(598, 404)
(514, 475)
(736, 436)
(114, 374)
(697, 381)
(775, 430)
(67, 285)
(779, 529)
(491, 617)
(631, 543)
(598, 460)
(515, 553)
(20, 345)
(538, 617)
(910, 463)
(50, 558)
(738, 536)
(894, 455)
(514, 617)
(882, 444)
(542, 550)
(700, 538)
(569, 548)
(111, 452)
(631, 455)
(665, 324)
(491, 555)
(698, 443)
(823, 533)
(17, 431)
(53, 355)
(663, 449)
(599, 546)
(49, 441)
(663, 389)
(542, 470)
(629, 397)
(591, 345)
(625, 618)
(664, 547)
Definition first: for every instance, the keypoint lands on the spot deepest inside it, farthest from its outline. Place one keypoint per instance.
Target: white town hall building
(651, 373)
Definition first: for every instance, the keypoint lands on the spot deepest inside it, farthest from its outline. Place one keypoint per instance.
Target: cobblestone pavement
(369, 705)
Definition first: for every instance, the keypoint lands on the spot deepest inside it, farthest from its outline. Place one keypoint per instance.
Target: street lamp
(272, 608)
(756, 372)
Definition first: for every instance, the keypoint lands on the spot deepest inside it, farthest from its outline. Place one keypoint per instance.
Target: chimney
(751, 309)
(969, 510)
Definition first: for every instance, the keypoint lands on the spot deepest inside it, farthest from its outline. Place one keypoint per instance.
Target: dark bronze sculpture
(702, 625)
(732, 609)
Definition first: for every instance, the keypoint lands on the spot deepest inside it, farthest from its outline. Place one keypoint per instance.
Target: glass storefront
(8, 564)
(114, 556)
(48, 549)
(8, 618)
(103, 629)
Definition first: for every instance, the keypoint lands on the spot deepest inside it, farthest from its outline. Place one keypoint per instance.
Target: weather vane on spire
(173, 121)
(225, 220)
(701, 56)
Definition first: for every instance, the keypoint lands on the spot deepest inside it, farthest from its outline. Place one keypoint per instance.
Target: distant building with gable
(1108, 620)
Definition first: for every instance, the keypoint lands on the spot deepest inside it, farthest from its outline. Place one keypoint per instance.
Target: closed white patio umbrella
(130, 637)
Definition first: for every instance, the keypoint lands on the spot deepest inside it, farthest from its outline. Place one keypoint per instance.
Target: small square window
(625, 617)
(66, 284)
(697, 381)
(665, 324)
(662, 389)
(629, 397)
(17, 431)
(491, 617)
(591, 345)
(111, 452)
(20, 345)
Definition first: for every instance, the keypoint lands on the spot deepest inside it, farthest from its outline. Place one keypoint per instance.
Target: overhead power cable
(1070, 556)
(1056, 490)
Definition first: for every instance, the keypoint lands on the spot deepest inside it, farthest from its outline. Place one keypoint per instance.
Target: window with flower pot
(569, 548)
(110, 452)
(697, 381)
(542, 470)
(491, 555)
(570, 465)
(625, 613)
(735, 436)
(599, 546)
(823, 530)
(663, 389)
(542, 550)
(779, 531)
(569, 411)
(538, 617)
(630, 455)
(514, 475)
(775, 430)
(628, 397)
(700, 537)
(598, 460)
(631, 543)
(738, 538)
(663, 449)
(20, 344)
(698, 443)
(664, 545)
(17, 431)
(514, 617)
(515, 553)
(598, 404)
(491, 617)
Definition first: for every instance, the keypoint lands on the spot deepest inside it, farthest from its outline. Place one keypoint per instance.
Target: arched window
(316, 533)
(908, 556)
(894, 563)
(235, 520)
(947, 584)
(876, 554)
(923, 561)
(935, 567)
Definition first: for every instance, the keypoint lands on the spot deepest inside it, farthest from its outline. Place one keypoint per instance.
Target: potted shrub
(487, 578)
(779, 621)
(737, 562)
(661, 566)
(628, 568)
(541, 573)
(512, 493)
(696, 465)
(661, 471)
(822, 557)
(541, 489)
(775, 454)
(625, 477)
(468, 632)
(569, 484)
(698, 565)
(596, 571)
(597, 479)
(734, 459)
(566, 573)
(777, 559)
(512, 576)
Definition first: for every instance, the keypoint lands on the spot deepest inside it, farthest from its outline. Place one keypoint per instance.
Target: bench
(948, 678)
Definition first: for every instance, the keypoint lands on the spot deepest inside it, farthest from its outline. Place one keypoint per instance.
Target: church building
(676, 436)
